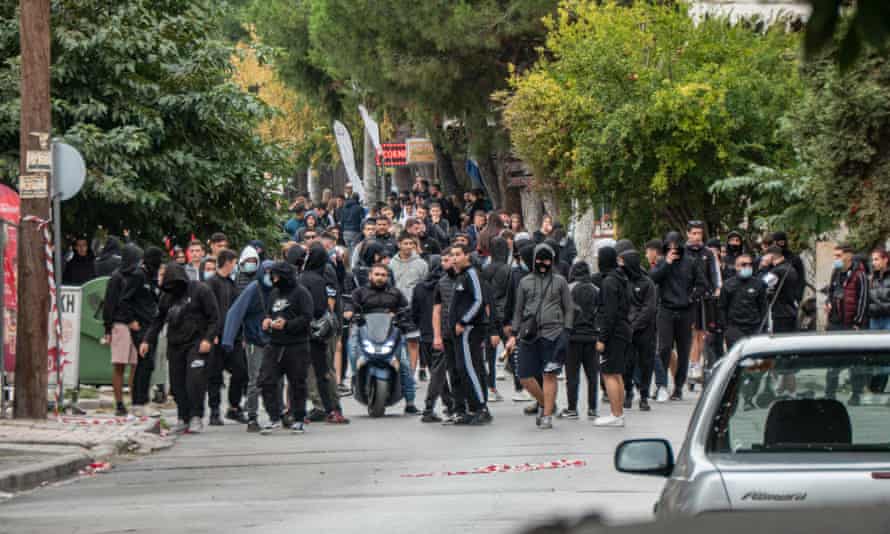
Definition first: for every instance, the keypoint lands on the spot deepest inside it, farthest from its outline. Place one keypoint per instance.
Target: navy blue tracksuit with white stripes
(468, 310)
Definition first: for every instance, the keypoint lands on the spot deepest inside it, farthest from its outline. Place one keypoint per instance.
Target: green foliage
(641, 107)
(143, 89)
(842, 129)
(867, 27)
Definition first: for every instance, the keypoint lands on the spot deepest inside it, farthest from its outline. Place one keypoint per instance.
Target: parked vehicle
(376, 380)
(778, 428)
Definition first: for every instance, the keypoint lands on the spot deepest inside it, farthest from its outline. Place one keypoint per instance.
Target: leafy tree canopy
(144, 90)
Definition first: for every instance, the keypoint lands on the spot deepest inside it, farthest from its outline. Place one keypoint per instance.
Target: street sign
(419, 151)
(392, 155)
(33, 186)
(71, 305)
(69, 170)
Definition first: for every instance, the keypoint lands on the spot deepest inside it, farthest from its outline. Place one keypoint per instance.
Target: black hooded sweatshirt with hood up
(187, 307)
(109, 259)
(126, 280)
(423, 299)
(643, 296)
(314, 279)
(497, 275)
(291, 301)
(79, 269)
(526, 259)
(680, 283)
(612, 314)
(585, 296)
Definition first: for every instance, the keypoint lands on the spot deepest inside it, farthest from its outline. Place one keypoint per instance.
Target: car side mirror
(652, 457)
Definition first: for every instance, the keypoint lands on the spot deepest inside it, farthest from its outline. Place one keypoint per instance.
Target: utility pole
(32, 321)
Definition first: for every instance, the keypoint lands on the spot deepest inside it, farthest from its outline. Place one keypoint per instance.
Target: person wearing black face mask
(143, 301)
(613, 333)
(189, 310)
(544, 313)
(288, 316)
(643, 306)
(734, 249)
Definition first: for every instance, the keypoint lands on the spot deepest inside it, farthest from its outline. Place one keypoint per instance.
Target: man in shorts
(543, 314)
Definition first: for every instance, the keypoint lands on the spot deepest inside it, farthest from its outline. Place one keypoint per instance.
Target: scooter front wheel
(378, 398)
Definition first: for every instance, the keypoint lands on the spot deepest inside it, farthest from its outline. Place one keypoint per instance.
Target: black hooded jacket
(585, 296)
(679, 283)
(423, 298)
(225, 290)
(614, 304)
(743, 302)
(291, 301)
(79, 269)
(187, 307)
(314, 279)
(109, 259)
(497, 275)
(731, 254)
(125, 281)
(643, 298)
(526, 255)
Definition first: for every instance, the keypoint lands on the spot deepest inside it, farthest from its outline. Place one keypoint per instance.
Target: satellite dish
(69, 170)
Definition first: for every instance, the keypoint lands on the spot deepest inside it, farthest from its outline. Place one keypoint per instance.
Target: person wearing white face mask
(248, 264)
(743, 302)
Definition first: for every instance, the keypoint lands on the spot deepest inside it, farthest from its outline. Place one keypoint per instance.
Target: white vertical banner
(71, 304)
(344, 143)
(372, 127)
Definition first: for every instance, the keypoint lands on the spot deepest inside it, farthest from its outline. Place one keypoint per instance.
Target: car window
(805, 402)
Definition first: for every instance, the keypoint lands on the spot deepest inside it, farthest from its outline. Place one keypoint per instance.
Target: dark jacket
(423, 299)
(444, 296)
(291, 301)
(187, 307)
(517, 273)
(879, 295)
(246, 314)
(614, 308)
(849, 297)
(710, 267)
(468, 303)
(785, 303)
(370, 299)
(79, 269)
(585, 297)
(643, 296)
(743, 303)
(497, 275)
(125, 281)
(680, 283)
(109, 259)
(314, 279)
(225, 291)
(351, 215)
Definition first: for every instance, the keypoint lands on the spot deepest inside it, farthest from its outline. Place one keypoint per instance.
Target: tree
(143, 88)
(866, 27)
(641, 108)
(842, 129)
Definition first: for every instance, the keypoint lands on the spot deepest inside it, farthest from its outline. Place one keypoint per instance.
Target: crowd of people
(471, 287)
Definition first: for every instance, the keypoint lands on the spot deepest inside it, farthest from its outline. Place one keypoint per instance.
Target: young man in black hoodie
(189, 310)
(711, 268)
(613, 334)
(643, 306)
(582, 342)
(120, 322)
(226, 292)
(288, 316)
(680, 282)
(422, 315)
(496, 275)
(144, 306)
(325, 292)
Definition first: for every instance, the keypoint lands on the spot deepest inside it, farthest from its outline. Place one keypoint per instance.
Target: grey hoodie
(408, 273)
(557, 310)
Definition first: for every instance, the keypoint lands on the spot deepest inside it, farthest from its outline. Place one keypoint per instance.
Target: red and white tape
(504, 468)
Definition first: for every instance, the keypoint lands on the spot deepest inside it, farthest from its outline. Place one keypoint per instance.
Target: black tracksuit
(582, 337)
(743, 304)
(322, 285)
(443, 295)
(679, 286)
(189, 309)
(226, 291)
(468, 309)
(612, 324)
(143, 304)
(288, 350)
(785, 302)
(423, 300)
(643, 310)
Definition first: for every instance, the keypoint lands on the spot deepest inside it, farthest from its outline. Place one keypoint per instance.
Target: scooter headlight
(388, 346)
(369, 347)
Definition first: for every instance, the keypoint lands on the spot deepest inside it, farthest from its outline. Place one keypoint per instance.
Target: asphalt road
(352, 478)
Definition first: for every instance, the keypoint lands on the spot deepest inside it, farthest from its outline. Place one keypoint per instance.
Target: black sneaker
(253, 426)
(422, 375)
(591, 414)
(463, 419)
(287, 420)
(484, 417)
(568, 414)
(430, 417)
(677, 395)
(216, 420)
(410, 409)
(628, 401)
(644, 405)
(121, 410)
(316, 415)
(234, 414)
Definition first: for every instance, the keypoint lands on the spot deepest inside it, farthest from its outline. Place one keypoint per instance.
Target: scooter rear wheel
(378, 398)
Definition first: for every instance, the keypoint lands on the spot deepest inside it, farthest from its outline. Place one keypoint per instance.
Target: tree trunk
(446, 171)
(31, 365)
(403, 178)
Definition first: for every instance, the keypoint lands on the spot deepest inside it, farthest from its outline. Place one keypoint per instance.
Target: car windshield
(377, 326)
(805, 402)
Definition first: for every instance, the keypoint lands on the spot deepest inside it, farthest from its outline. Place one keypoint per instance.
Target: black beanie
(607, 259)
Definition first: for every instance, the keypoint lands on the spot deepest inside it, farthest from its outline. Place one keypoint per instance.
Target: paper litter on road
(504, 468)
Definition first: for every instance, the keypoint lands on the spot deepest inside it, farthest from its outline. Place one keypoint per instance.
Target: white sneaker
(609, 420)
(522, 396)
(494, 396)
(270, 427)
(662, 395)
(196, 425)
(695, 372)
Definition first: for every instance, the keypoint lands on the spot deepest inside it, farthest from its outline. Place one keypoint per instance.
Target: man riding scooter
(379, 297)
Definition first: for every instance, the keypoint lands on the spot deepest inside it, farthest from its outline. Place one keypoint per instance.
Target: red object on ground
(504, 468)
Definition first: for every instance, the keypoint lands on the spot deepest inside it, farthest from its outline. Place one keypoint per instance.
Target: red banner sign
(392, 155)
(9, 211)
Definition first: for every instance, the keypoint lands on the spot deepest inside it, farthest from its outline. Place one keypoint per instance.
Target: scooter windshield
(377, 326)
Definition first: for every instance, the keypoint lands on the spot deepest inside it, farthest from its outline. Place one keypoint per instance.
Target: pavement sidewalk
(34, 453)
